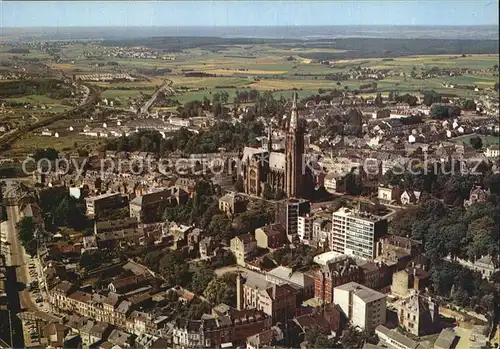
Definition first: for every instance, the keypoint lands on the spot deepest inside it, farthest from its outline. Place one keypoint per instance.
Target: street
(18, 257)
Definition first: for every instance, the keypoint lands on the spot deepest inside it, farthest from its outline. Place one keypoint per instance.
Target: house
(96, 205)
(265, 338)
(271, 236)
(207, 247)
(243, 247)
(409, 197)
(492, 151)
(388, 193)
(334, 183)
(418, 315)
(477, 195)
(232, 204)
(128, 284)
(112, 233)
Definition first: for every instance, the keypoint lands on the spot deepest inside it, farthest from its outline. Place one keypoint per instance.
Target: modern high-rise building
(356, 233)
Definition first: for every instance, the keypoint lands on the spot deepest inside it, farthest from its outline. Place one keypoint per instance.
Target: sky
(247, 13)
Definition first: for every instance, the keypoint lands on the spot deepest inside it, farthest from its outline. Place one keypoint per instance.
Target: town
(237, 193)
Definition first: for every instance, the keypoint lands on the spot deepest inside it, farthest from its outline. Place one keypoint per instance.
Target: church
(281, 171)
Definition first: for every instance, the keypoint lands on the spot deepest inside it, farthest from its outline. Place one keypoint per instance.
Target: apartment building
(288, 213)
(356, 233)
(364, 307)
(279, 301)
(418, 315)
(97, 204)
(337, 271)
(149, 206)
(115, 232)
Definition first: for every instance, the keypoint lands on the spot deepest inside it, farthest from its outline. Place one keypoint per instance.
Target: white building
(364, 307)
(492, 151)
(356, 233)
(305, 227)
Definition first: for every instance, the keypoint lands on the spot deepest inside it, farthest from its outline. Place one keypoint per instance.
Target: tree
(26, 230)
(440, 112)
(469, 104)
(221, 290)
(173, 269)
(431, 97)
(378, 100)
(200, 279)
(476, 142)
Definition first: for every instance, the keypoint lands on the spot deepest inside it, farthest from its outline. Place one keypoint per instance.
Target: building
(412, 278)
(288, 212)
(364, 307)
(356, 233)
(304, 228)
(276, 300)
(220, 330)
(232, 204)
(492, 151)
(270, 236)
(485, 265)
(394, 340)
(418, 315)
(115, 232)
(476, 195)
(303, 282)
(147, 207)
(334, 183)
(336, 272)
(447, 339)
(409, 197)
(96, 205)
(388, 193)
(321, 232)
(243, 247)
(281, 171)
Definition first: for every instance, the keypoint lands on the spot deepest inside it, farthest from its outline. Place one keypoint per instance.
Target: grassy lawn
(487, 140)
(35, 99)
(28, 143)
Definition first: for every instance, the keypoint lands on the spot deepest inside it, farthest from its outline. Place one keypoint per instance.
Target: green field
(267, 67)
(487, 140)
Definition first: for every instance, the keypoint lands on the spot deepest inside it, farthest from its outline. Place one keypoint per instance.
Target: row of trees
(223, 134)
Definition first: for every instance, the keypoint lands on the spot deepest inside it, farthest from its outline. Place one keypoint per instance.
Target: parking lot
(35, 285)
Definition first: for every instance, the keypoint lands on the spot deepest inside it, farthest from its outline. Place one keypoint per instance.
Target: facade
(409, 197)
(409, 279)
(364, 307)
(243, 247)
(114, 232)
(492, 151)
(336, 272)
(388, 193)
(232, 204)
(279, 301)
(270, 236)
(97, 204)
(418, 315)
(216, 330)
(356, 233)
(288, 212)
(304, 228)
(281, 171)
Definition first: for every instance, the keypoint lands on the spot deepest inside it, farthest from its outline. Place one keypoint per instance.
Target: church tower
(294, 152)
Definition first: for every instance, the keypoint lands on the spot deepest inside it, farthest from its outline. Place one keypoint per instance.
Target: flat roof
(364, 293)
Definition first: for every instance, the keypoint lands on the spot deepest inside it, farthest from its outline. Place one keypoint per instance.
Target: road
(18, 256)
(166, 87)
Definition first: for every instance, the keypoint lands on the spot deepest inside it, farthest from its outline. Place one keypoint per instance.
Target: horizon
(92, 14)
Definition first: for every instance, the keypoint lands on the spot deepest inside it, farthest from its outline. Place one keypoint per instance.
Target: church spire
(294, 117)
